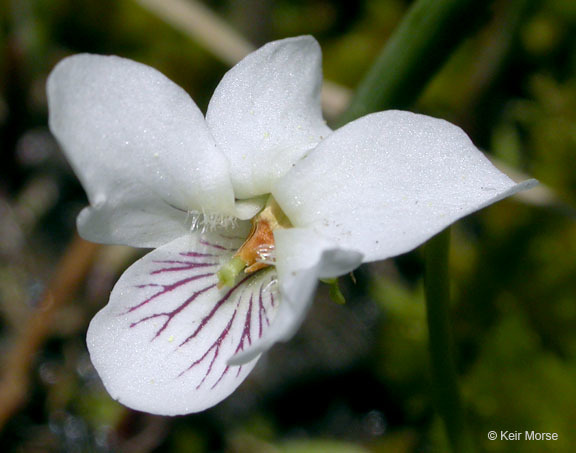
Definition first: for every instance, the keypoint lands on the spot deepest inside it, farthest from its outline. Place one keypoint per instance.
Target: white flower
(186, 323)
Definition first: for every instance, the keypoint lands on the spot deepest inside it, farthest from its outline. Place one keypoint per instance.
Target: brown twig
(69, 275)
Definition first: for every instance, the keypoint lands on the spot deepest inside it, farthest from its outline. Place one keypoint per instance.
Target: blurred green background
(356, 377)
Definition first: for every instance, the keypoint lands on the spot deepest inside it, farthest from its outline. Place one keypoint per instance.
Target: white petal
(302, 257)
(389, 181)
(162, 343)
(136, 141)
(246, 209)
(265, 113)
(133, 220)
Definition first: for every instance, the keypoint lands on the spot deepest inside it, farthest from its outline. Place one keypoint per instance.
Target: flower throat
(257, 250)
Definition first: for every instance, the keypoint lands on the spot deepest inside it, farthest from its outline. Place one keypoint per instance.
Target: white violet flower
(246, 209)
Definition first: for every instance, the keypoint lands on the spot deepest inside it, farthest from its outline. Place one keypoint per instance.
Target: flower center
(257, 250)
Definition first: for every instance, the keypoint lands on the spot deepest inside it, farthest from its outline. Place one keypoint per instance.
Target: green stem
(426, 37)
(444, 376)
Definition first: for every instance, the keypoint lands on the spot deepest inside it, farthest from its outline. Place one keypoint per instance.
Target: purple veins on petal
(172, 314)
(216, 347)
(184, 266)
(245, 336)
(246, 330)
(175, 304)
(165, 289)
(233, 238)
(217, 306)
(197, 255)
(255, 312)
(169, 329)
(262, 315)
(216, 246)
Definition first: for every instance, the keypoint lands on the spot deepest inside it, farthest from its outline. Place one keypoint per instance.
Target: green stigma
(229, 271)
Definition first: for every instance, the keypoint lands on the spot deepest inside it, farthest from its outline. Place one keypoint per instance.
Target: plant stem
(441, 345)
(426, 37)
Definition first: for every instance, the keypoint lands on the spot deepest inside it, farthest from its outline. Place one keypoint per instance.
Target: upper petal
(302, 257)
(162, 343)
(387, 182)
(136, 140)
(265, 113)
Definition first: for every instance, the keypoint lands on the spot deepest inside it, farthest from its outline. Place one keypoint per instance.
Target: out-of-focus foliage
(355, 378)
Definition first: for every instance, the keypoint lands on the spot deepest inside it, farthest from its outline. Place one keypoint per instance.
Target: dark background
(355, 377)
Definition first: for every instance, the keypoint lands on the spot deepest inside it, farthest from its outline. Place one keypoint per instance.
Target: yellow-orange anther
(261, 237)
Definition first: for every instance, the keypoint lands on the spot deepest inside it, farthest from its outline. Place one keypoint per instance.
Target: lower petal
(163, 342)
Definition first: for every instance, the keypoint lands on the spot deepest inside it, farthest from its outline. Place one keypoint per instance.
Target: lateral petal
(135, 219)
(266, 113)
(162, 343)
(137, 142)
(387, 182)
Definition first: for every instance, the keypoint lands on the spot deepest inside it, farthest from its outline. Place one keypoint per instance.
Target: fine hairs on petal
(204, 222)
